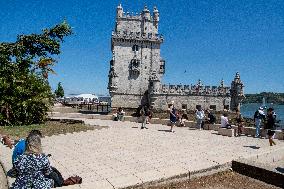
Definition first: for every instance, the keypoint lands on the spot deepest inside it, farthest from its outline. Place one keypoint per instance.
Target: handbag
(72, 180)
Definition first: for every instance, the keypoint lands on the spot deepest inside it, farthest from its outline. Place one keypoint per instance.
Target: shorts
(270, 132)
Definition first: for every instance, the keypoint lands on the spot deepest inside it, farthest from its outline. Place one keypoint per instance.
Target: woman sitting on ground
(32, 166)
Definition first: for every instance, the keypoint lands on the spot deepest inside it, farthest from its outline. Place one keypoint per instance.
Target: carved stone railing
(195, 90)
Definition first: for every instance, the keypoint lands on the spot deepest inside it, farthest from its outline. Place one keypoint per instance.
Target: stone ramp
(124, 155)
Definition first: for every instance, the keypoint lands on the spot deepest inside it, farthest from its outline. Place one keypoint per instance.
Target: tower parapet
(198, 89)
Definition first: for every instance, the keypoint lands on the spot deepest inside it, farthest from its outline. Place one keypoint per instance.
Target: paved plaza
(124, 155)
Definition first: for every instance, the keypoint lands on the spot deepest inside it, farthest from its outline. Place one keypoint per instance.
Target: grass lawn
(49, 128)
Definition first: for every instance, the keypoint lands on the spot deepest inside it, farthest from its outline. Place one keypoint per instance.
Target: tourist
(120, 114)
(144, 115)
(149, 115)
(259, 115)
(239, 122)
(225, 121)
(270, 125)
(199, 117)
(211, 119)
(32, 166)
(173, 117)
(20, 147)
(183, 118)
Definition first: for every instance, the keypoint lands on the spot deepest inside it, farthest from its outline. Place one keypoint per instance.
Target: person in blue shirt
(20, 147)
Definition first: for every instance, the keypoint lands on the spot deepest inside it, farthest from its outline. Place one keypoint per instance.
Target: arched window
(135, 48)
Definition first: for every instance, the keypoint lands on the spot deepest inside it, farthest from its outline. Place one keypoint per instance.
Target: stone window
(184, 106)
(135, 48)
(212, 107)
(198, 106)
(162, 67)
(134, 67)
(226, 107)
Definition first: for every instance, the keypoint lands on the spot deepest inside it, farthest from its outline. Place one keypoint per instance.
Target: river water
(248, 110)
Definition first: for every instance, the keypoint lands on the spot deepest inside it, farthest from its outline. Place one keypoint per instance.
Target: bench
(214, 127)
(226, 132)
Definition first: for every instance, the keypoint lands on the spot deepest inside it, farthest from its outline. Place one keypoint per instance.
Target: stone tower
(136, 60)
(237, 92)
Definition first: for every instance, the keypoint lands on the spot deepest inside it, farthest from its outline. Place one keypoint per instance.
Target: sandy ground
(3, 181)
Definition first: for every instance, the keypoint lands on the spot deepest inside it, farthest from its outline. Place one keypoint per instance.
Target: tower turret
(154, 87)
(156, 17)
(146, 14)
(119, 11)
(237, 92)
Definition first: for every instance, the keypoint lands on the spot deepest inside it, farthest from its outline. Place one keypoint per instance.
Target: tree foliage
(270, 97)
(25, 94)
(59, 92)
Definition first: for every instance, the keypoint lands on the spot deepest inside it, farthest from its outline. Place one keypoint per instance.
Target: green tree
(25, 94)
(59, 92)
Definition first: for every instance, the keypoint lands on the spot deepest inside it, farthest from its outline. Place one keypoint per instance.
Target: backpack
(56, 176)
(256, 115)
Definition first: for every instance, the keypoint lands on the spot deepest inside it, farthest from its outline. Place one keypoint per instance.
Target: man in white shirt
(259, 115)
(199, 117)
(225, 121)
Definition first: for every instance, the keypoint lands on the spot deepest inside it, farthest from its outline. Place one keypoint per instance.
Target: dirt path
(223, 180)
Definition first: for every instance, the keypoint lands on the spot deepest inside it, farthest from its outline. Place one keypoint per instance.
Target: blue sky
(204, 39)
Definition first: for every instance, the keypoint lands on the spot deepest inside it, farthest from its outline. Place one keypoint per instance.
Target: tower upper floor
(137, 26)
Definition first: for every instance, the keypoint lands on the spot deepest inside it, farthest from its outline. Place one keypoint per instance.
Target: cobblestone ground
(124, 155)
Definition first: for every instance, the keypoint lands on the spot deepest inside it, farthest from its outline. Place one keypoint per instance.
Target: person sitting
(20, 147)
(120, 114)
(183, 118)
(32, 166)
(18, 150)
(225, 121)
(210, 119)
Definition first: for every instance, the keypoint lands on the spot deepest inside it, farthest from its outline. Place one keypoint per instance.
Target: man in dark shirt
(270, 125)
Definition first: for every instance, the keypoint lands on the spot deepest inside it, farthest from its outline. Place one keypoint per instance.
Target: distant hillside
(276, 98)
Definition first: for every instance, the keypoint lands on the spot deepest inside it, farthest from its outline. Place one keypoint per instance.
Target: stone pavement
(124, 155)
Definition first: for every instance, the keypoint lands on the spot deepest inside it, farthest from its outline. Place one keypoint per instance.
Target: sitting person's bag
(56, 176)
(13, 173)
(72, 180)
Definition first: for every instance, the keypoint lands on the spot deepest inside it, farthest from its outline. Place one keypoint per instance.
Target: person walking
(144, 114)
(173, 116)
(259, 115)
(270, 125)
(199, 117)
(240, 122)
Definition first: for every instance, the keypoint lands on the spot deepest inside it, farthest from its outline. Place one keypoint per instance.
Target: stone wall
(190, 102)
(126, 100)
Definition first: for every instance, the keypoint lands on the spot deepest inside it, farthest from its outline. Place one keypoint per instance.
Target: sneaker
(146, 127)
(142, 127)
